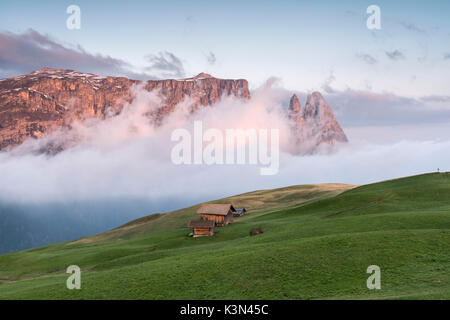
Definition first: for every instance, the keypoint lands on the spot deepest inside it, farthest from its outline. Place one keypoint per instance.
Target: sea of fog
(121, 168)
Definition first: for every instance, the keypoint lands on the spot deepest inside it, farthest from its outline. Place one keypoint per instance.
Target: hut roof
(201, 224)
(218, 209)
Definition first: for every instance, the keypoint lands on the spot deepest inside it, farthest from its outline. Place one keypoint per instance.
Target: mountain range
(35, 104)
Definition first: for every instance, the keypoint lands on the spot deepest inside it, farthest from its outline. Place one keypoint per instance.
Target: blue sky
(306, 44)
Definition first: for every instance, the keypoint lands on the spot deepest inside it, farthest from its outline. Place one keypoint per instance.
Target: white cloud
(127, 157)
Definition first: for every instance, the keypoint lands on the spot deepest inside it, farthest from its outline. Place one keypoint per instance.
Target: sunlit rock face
(313, 126)
(37, 103)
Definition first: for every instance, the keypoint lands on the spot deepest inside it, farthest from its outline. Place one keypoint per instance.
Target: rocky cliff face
(314, 125)
(36, 104)
(33, 105)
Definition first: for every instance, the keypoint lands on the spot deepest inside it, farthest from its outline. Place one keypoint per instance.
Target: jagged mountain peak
(315, 125)
(294, 104)
(316, 106)
(203, 75)
(315, 98)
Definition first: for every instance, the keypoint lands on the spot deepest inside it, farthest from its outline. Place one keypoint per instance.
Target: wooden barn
(221, 214)
(202, 227)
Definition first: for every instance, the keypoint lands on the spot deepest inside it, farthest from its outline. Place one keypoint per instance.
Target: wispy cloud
(367, 58)
(395, 55)
(436, 98)
(326, 86)
(191, 19)
(31, 50)
(365, 107)
(412, 27)
(167, 64)
(446, 56)
(211, 57)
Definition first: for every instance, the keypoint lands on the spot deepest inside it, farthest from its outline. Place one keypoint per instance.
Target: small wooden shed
(221, 214)
(239, 212)
(202, 227)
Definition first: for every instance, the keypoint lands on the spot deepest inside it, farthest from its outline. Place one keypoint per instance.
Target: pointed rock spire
(294, 104)
(320, 120)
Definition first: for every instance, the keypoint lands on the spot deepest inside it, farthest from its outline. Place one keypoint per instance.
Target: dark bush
(256, 231)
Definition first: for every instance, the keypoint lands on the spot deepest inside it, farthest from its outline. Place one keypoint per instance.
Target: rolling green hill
(317, 243)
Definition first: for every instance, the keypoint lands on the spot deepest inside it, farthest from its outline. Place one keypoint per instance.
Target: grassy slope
(315, 245)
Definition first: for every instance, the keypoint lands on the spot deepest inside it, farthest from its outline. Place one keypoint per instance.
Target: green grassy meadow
(317, 243)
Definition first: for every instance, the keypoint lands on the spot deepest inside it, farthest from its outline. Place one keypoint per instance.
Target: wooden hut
(221, 214)
(239, 212)
(201, 227)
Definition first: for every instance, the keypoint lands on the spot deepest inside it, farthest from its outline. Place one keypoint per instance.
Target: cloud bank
(356, 108)
(126, 157)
